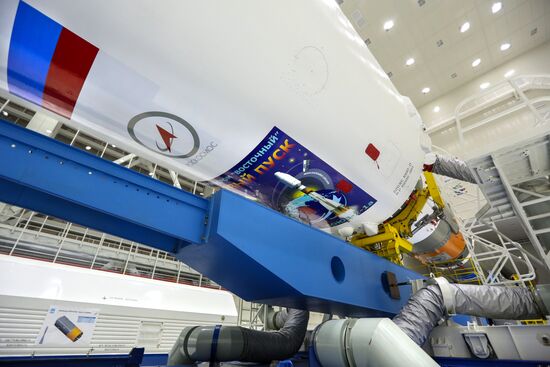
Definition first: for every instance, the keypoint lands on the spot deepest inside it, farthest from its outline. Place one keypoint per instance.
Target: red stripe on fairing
(70, 65)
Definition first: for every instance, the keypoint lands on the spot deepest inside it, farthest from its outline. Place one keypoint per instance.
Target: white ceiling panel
(428, 31)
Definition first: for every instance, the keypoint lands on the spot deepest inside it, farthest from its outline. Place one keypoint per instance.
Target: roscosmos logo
(164, 133)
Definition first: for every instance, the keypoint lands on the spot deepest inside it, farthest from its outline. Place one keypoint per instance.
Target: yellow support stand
(390, 241)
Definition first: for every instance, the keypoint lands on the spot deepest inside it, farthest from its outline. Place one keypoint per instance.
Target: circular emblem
(164, 133)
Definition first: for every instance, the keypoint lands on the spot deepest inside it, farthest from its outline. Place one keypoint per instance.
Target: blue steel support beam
(267, 257)
(53, 178)
(253, 251)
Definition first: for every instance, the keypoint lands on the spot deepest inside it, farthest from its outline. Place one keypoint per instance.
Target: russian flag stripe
(47, 63)
(32, 45)
(71, 63)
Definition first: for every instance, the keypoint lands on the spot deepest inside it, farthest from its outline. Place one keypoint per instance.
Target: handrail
(522, 82)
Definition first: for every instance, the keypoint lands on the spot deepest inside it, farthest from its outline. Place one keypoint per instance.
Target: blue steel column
(255, 252)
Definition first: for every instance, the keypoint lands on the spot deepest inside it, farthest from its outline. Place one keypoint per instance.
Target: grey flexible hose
(234, 343)
(279, 319)
(426, 307)
(453, 168)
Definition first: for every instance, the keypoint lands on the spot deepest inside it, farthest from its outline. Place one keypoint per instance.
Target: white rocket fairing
(226, 91)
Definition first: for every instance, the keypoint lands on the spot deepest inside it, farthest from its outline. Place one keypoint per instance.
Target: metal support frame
(257, 253)
(504, 253)
(520, 212)
(513, 87)
(538, 118)
(58, 180)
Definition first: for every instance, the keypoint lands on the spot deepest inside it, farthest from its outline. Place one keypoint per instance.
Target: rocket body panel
(197, 86)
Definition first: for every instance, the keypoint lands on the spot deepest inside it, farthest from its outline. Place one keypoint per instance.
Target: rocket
(242, 94)
(228, 93)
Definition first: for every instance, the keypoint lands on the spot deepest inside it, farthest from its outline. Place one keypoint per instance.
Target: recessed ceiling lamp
(464, 27)
(437, 109)
(476, 62)
(114, 146)
(388, 25)
(484, 85)
(496, 7)
(88, 147)
(5, 113)
(425, 90)
(509, 73)
(505, 46)
(409, 61)
(48, 131)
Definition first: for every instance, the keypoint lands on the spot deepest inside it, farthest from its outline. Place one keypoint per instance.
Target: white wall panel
(127, 306)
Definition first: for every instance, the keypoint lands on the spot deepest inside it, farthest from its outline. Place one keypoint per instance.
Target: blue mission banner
(287, 177)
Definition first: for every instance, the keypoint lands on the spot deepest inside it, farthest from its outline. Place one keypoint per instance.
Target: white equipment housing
(132, 312)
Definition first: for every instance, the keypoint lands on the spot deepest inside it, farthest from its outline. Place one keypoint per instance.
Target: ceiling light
(505, 46)
(476, 62)
(388, 25)
(437, 109)
(5, 113)
(426, 90)
(509, 73)
(114, 146)
(496, 7)
(484, 85)
(88, 147)
(464, 27)
(409, 61)
(48, 131)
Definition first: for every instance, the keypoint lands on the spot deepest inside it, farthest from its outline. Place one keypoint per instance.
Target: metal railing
(491, 258)
(488, 259)
(33, 235)
(484, 104)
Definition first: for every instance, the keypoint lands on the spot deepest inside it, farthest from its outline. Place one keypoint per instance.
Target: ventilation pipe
(234, 343)
(434, 303)
(448, 166)
(367, 342)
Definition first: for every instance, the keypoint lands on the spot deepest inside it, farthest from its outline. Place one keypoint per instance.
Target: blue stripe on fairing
(33, 41)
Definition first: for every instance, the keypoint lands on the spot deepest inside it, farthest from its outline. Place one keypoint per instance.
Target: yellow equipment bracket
(434, 190)
(390, 241)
